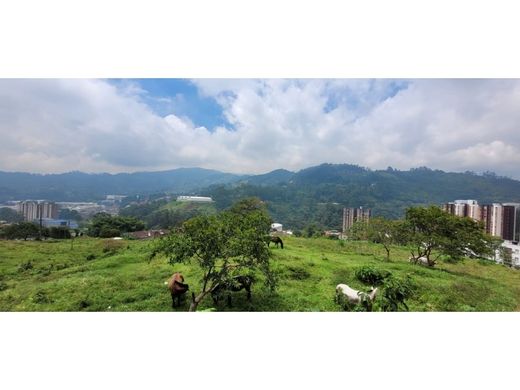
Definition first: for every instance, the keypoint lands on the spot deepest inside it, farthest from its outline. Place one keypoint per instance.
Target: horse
(236, 283)
(177, 288)
(276, 240)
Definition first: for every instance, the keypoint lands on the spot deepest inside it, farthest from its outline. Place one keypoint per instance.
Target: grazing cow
(354, 296)
(177, 288)
(276, 240)
(236, 283)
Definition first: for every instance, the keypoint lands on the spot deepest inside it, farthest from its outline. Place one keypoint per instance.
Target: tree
(59, 232)
(22, 230)
(430, 228)
(381, 231)
(223, 245)
(111, 226)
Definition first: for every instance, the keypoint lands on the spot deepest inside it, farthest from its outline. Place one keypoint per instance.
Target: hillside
(317, 195)
(78, 186)
(120, 278)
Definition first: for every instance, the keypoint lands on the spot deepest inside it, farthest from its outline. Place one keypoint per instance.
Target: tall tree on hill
(382, 231)
(230, 243)
(431, 229)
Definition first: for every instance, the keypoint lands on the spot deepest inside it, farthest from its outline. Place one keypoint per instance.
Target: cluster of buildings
(37, 209)
(44, 212)
(499, 219)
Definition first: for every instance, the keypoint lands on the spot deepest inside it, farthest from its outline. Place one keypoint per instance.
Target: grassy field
(106, 275)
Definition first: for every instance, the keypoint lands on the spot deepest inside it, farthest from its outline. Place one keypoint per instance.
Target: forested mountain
(317, 195)
(78, 186)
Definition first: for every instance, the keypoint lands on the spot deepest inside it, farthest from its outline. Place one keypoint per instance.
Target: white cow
(354, 296)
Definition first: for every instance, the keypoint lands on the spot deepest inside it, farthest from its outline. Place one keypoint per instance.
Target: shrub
(396, 291)
(25, 266)
(371, 276)
(111, 246)
(298, 273)
(41, 297)
(107, 232)
(59, 232)
(3, 285)
(91, 256)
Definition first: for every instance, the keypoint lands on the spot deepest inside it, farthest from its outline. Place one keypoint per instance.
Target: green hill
(107, 275)
(317, 195)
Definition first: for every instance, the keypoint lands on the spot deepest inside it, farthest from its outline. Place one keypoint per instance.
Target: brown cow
(177, 288)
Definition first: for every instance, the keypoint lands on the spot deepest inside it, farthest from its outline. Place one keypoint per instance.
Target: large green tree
(230, 243)
(430, 229)
(106, 225)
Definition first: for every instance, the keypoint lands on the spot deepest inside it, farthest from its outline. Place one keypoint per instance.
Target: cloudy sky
(254, 126)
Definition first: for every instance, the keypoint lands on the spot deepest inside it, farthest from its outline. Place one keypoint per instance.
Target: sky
(258, 125)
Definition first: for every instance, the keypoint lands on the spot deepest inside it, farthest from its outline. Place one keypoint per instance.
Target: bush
(371, 276)
(59, 232)
(91, 256)
(25, 266)
(396, 291)
(112, 246)
(298, 273)
(41, 297)
(107, 232)
(3, 286)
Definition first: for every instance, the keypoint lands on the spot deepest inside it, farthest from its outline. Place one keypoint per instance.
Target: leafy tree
(112, 226)
(396, 291)
(59, 232)
(379, 230)
(22, 230)
(223, 245)
(430, 228)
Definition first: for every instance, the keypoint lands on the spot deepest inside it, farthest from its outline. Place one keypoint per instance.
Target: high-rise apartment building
(492, 218)
(464, 208)
(511, 222)
(353, 215)
(34, 210)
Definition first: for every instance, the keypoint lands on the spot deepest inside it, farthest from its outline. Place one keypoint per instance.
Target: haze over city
(254, 126)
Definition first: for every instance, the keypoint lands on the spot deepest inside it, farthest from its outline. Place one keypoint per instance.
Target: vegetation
(371, 276)
(105, 225)
(121, 278)
(167, 215)
(222, 246)
(430, 229)
(21, 230)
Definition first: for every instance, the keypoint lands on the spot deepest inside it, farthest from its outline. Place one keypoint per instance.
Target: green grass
(201, 208)
(100, 275)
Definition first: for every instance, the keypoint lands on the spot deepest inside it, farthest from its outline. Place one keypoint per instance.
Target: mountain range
(314, 194)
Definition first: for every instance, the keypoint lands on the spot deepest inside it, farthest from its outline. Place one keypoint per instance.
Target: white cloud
(91, 125)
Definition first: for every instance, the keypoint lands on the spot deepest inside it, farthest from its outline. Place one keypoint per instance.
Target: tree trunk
(196, 300)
